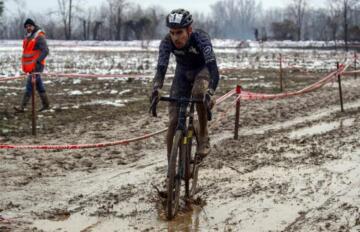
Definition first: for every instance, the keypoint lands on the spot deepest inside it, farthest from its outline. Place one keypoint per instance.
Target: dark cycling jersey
(196, 54)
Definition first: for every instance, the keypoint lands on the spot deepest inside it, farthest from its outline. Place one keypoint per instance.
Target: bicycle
(183, 164)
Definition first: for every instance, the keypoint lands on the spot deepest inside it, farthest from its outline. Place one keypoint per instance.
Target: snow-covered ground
(109, 57)
(219, 43)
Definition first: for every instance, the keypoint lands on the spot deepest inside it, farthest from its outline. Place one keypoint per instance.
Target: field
(293, 168)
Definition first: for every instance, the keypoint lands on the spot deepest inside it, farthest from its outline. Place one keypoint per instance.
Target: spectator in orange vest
(35, 51)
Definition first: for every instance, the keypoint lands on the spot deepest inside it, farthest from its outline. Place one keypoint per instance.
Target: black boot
(25, 100)
(44, 101)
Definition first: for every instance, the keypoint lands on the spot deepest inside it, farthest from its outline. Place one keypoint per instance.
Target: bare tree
(157, 16)
(204, 22)
(317, 25)
(123, 20)
(116, 11)
(270, 16)
(13, 25)
(96, 29)
(143, 24)
(334, 18)
(237, 17)
(283, 30)
(1, 18)
(297, 9)
(1, 8)
(86, 20)
(66, 10)
(345, 7)
(346, 22)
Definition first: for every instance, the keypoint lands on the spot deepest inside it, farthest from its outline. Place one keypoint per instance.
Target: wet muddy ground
(293, 168)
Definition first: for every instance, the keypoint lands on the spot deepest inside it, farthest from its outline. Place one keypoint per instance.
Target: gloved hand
(39, 67)
(154, 95)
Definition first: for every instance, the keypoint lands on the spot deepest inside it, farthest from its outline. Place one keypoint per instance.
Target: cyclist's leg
(200, 87)
(180, 87)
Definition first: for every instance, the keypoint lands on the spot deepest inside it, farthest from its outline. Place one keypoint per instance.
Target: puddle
(5, 131)
(11, 87)
(189, 221)
(321, 128)
(116, 103)
(258, 85)
(283, 125)
(76, 81)
(75, 93)
(75, 222)
(293, 155)
(314, 116)
(125, 91)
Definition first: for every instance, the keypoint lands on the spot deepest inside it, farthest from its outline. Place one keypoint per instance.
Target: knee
(200, 88)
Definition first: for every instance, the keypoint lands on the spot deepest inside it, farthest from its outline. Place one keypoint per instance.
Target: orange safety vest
(30, 55)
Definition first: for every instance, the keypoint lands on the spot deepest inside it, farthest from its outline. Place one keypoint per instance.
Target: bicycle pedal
(198, 159)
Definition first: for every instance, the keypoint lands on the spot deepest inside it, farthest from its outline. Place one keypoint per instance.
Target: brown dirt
(274, 177)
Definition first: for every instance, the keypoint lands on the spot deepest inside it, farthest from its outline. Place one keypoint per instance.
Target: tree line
(228, 19)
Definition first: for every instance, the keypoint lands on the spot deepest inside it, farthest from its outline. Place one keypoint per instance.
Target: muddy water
(321, 128)
(136, 211)
(268, 199)
(266, 180)
(186, 221)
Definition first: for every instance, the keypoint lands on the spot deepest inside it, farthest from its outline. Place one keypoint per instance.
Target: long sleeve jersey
(196, 54)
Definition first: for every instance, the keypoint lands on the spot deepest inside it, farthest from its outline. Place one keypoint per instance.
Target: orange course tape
(98, 145)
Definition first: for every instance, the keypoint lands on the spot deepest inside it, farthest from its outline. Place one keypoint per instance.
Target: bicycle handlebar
(180, 100)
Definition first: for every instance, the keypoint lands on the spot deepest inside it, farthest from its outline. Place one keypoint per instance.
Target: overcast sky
(192, 5)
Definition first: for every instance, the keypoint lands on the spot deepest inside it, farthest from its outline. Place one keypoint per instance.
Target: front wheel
(174, 177)
(192, 162)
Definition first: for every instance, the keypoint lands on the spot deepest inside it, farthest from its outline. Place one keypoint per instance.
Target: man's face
(29, 28)
(180, 36)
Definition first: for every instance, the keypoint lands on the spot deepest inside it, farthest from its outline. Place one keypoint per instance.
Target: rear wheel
(174, 176)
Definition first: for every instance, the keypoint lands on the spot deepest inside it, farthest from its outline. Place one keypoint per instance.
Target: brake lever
(154, 113)
(153, 107)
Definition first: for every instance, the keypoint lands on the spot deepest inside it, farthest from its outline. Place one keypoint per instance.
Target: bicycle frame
(186, 126)
(187, 165)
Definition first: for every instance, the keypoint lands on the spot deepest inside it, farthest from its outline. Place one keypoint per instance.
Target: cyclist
(196, 72)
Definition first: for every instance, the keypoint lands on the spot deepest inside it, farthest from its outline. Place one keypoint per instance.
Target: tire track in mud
(279, 188)
(97, 194)
(236, 182)
(329, 207)
(136, 166)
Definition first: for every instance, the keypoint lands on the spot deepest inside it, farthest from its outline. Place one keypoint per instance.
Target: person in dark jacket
(196, 71)
(35, 50)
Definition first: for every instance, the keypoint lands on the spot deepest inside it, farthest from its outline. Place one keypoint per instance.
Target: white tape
(175, 18)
